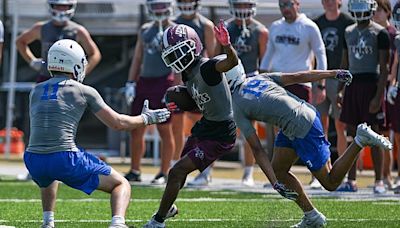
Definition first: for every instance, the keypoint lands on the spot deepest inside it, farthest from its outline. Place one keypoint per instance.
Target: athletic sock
(311, 213)
(48, 217)
(159, 218)
(117, 219)
(248, 171)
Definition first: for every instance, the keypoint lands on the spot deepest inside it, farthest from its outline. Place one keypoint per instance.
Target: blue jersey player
(55, 109)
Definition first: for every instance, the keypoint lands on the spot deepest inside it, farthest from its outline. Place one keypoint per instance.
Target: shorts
(389, 113)
(356, 100)
(301, 91)
(152, 89)
(396, 113)
(313, 149)
(329, 105)
(205, 152)
(79, 170)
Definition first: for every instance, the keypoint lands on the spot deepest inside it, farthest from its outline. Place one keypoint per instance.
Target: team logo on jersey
(200, 98)
(331, 38)
(361, 48)
(241, 46)
(154, 45)
(199, 153)
(287, 40)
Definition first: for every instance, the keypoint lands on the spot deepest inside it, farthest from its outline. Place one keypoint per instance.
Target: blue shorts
(79, 170)
(313, 149)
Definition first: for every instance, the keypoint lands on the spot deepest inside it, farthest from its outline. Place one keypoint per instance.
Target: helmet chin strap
(245, 30)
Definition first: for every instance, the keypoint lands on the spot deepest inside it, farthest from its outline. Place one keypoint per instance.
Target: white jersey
(291, 47)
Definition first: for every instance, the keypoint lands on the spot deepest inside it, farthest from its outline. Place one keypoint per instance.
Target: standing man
(1, 41)
(332, 25)
(48, 32)
(52, 154)
(149, 78)
(366, 55)
(294, 42)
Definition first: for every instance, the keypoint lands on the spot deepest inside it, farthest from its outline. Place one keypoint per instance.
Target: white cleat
(367, 137)
(248, 181)
(199, 181)
(319, 220)
(152, 223)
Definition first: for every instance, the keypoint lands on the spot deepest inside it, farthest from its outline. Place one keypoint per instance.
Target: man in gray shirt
(56, 107)
(263, 98)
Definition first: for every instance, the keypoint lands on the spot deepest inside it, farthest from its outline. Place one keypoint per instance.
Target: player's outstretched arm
(315, 75)
(263, 161)
(118, 121)
(222, 35)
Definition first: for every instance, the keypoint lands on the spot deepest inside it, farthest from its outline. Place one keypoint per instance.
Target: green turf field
(20, 207)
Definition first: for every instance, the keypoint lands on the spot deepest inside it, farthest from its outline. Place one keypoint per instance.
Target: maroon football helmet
(181, 46)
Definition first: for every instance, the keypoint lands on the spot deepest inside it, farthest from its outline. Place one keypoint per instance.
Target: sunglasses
(286, 4)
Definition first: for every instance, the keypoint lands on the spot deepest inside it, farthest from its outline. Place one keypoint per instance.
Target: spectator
(59, 27)
(382, 16)
(366, 55)
(1, 41)
(152, 78)
(293, 40)
(332, 25)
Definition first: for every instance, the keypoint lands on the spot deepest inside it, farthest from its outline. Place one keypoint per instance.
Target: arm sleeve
(94, 101)
(318, 47)
(383, 40)
(266, 60)
(209, 74)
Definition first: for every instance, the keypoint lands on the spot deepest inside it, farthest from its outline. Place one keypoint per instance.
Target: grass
(20, 206)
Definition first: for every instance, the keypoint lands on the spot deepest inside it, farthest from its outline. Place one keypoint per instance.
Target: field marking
(197, 220)
(392, 201)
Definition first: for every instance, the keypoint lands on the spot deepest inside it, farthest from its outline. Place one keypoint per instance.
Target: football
(181, 97)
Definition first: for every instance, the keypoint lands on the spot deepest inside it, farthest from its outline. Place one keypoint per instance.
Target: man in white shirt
(293, 41)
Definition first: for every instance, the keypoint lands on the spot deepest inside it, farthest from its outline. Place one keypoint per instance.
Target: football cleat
(318, 220)
(172, 212)
(367, 137)
(199, 181)
(152, 223)
(159, 179)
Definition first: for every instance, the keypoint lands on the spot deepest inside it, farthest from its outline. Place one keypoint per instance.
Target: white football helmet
(396, 15)
(234, 76)
(239, 12)
(188, 8)
(159, 10)
(62, 15)
(362, 10)
(67, 56)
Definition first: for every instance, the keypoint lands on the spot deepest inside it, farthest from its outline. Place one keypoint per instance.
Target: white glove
(37, 64)
(154, 116)
(391, 94)
(130, 91)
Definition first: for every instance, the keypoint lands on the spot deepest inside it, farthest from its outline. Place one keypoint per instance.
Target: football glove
(36, 64)
(344, 76)
(391, 94)
(222, 34)
(130, 91)
(285, 192)
(154, 116)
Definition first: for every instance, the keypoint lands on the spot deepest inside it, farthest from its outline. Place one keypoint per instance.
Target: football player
(263, 98)
(366, 55)
(52, 154)
(149, 78)
(215, 133)
(48, 32)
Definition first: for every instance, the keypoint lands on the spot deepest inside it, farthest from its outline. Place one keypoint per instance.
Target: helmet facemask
(188, 8)
(62, 15)
(239, 12)
(159, 10)
(362, 10)
(180, 56)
